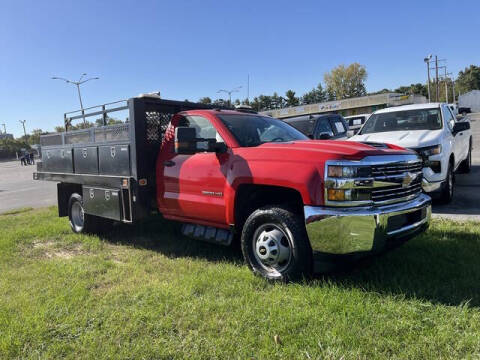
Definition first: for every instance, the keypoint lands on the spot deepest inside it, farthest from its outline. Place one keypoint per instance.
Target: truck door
(193, 185)
(458, 139)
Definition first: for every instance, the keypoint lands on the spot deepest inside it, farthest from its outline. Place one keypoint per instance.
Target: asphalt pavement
(18, 189)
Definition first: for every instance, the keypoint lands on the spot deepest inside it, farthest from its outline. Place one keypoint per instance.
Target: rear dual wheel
(84, 223)
(275, 244)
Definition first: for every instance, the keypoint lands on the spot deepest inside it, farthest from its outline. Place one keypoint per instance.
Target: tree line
(344, 82)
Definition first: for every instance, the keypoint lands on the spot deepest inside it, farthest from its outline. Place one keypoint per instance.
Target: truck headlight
(349, 172)
(430, 150)
(347, 195)
(339, 195)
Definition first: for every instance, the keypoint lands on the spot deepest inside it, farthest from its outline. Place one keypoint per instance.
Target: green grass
(142, 293)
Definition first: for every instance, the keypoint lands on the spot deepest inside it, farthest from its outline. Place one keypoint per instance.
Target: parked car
(433, 131)
(321, 127)
(294, 204)
(355, 122)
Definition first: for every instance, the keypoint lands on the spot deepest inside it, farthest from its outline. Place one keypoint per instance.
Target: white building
(470, 100)
(347, 107)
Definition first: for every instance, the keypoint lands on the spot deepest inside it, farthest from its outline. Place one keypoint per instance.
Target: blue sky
(190, 49)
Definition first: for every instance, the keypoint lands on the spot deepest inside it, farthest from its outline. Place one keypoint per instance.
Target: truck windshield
(419, 119)
(253, 130)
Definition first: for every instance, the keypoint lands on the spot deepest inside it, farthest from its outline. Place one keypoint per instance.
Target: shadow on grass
(164, 236)
(439, 266)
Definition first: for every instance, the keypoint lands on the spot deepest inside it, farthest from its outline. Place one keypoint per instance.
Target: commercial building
(5, 136)
(347, 107)
(470, 100)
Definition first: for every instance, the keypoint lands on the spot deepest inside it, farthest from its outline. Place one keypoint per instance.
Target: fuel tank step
(207, 233)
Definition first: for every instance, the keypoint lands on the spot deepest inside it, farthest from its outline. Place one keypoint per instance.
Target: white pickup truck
(432, 130)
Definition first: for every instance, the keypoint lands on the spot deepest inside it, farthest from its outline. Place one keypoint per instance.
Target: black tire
(286, 230)
(466, 165)
(80, 222)
(446, 194)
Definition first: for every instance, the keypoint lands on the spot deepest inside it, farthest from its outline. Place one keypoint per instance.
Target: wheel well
(250, 197)
(64, 191)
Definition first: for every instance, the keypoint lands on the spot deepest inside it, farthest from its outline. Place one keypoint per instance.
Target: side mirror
(324, 136)
(460, 126)
(186, 142)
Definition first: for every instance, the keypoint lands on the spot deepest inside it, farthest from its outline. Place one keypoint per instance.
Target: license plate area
(397, 222)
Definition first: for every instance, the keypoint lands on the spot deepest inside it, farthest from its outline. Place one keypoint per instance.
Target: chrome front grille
(396, 169)
(396, 192)
(407, 176)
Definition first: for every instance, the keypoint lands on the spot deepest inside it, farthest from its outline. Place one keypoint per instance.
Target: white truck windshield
(418, 119)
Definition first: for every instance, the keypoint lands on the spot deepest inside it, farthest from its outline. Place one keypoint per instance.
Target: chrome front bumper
(364, 229)
(431, 186)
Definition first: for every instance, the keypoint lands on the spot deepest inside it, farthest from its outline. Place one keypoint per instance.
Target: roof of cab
(409, 107)
(222, 111)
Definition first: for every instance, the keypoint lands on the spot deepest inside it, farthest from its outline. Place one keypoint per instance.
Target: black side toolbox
(104, 202)
(86, 160)
(114, 160)
(58, 160)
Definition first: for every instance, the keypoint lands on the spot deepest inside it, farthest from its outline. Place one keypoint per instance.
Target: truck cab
(294, 204)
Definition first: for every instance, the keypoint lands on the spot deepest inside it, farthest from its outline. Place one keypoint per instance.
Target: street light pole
(77, 83)
(229, 92)
(427, 61)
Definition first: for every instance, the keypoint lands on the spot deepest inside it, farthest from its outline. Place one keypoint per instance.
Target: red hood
(326, 149)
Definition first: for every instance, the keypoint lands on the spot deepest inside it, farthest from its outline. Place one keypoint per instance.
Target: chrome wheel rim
(77, 215)
(272, 248)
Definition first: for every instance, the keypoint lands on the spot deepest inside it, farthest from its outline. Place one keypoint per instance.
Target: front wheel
(446, 195)
(275, 244)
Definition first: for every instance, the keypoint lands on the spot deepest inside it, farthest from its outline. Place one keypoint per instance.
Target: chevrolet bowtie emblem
(408, 179)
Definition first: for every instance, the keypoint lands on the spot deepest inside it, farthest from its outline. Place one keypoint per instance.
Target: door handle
(169, 163)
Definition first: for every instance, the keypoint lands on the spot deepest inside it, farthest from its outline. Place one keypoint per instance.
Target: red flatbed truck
(295, 204)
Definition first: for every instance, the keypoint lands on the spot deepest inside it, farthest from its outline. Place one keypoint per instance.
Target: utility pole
(77, 83)
(427, 61)
(229, 92)
(4, 128)
(446, 86)
(248, 88)
(23, 123)
(436, 77)
(453, 88)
